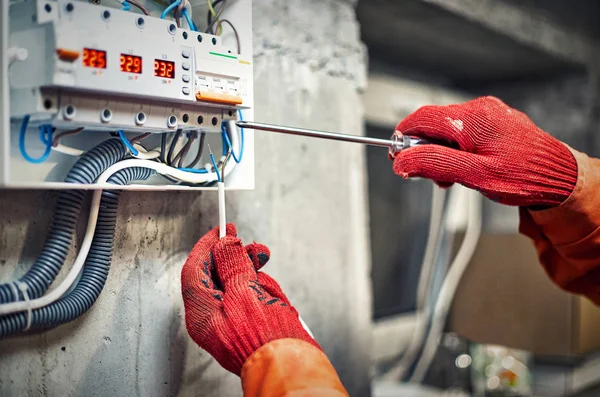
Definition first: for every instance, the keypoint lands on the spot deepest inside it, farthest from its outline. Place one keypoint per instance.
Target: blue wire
(126, 6)
(45, 130)
(214, 163)
(189, 20)
(194, 170)
(227, 142)
(133, 150)
(46, 134)
(223, 141)
(170, 8)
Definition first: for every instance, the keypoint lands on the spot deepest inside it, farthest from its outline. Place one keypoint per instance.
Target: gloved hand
(231, 309)
(489, 147)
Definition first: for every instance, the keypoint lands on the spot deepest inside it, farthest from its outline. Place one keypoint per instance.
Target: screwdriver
(395, 144)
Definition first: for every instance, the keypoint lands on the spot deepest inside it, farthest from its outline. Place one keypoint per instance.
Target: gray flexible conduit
(95, 271)
(48, 264)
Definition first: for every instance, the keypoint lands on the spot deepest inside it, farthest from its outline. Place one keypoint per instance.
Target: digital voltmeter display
(164, 68)
(131, 63)
(94, 58)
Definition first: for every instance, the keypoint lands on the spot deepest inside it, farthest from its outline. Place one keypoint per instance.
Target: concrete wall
(309, 207)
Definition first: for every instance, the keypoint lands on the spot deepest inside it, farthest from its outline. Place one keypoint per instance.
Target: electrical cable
(137, 150)
(177, 13)
(95, 271)
(139, 138)
(126, 6)
(422, 312)
(45, 138)
(128, 144)
(196, 159)
(228, 143)
(184, 151)
(68, 281)
(170, 8)
(214, 163)
(163, 147)
(450, 284)
(137, 4)
(67, 150)
(210, 21)
(189, 20)
(68, 206)
(237, 36)
(172, 147)
(63, 134)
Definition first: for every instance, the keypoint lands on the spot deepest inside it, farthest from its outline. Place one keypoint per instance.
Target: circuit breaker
(105, 71)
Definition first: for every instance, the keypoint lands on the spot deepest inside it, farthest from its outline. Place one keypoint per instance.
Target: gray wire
(237, 36)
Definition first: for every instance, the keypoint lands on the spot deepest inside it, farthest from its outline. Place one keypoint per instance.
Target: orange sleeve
(290, 368)
(567, 237)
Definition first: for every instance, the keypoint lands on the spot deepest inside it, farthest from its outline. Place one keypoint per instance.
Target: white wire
(422, 312)
(142, 152)
(71, 151)
(145, 154)
(449, 286)
(222, 215)
(64, 286)
(68, 281)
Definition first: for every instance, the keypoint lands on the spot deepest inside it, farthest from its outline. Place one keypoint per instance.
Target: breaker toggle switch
(215, 97)
(67, 55)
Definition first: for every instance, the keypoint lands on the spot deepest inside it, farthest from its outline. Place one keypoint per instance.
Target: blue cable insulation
(227, 141)
(46, 134)
(191, 24)
(128, 144)
(170, 8)
(44, 130)
(194, 170)
(126, 6)
(214, 163)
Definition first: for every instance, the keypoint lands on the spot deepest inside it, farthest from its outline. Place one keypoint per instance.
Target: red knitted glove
(491, 148)
(231, 309)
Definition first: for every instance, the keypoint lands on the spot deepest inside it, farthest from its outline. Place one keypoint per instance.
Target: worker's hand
(489, 147)
(231, 309)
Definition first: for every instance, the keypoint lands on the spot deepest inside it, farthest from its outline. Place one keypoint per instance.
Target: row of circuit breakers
(105, 69)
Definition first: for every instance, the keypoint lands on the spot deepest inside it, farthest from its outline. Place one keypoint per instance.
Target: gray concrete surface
(309, 207)
(471, 41)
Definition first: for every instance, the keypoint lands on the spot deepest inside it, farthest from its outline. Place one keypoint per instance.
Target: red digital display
(164, 68)
(94, 58)
(131, 64)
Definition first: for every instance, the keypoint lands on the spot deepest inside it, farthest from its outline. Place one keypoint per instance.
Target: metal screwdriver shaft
(395, 144)
(314, 133)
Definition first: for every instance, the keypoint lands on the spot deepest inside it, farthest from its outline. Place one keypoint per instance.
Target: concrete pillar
(309, 207)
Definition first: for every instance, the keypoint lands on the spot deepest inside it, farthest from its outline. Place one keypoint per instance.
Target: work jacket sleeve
(290, 368)
(567, 237)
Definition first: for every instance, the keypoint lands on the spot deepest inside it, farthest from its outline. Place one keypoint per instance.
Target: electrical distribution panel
(104, 69)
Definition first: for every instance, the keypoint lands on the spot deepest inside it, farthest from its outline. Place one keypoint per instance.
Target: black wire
(163, 147)
(172, 147)
(210, 20)
(184, 151)
(199, 152)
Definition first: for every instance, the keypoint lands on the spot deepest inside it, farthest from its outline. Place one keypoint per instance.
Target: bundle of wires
(24, 303)
(180, 7)
(437, 285)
